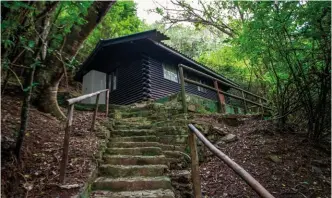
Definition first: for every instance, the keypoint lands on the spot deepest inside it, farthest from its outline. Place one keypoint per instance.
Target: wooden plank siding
(161, 87)
(129, 83)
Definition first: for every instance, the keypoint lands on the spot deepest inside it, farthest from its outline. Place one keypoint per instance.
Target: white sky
(144, 5)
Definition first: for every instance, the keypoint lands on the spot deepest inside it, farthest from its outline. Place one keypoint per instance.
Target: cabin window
(202, 89)
(170, 72)
(112, 82)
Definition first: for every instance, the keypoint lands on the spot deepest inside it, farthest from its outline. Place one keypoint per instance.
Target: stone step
(134, 194)
(132, 144)
(175, 154)
(173, 139)
(132, 170)
(169, 147)
(125, 126)
(146, 151)
(132, 183)
(133, 121)
(181, 176)
(171, 130)
(150, 138)
(124, 114)
(134, 160)
(132, 132)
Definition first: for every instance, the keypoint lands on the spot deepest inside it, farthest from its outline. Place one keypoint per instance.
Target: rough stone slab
(132, 144)
(175, 154)
(169, 147)
(147, 151)
(151, 138)
(132, 183)
(124, 126)
(134, 194)
(173, 139)
(132, 170)
(172, 130)
(134, 160)
(132, 132)
(229, 138)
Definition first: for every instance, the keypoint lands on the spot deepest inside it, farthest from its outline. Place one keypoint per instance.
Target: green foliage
(119, 21)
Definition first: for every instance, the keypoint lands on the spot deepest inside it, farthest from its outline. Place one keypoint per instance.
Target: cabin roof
(153, 36)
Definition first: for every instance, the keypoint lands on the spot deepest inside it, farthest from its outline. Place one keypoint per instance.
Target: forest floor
(283, 161)
(38, 174)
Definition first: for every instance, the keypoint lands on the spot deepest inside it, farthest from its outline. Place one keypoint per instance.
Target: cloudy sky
(144, 5)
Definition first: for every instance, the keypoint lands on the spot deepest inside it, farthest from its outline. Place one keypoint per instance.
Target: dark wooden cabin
(139, 67)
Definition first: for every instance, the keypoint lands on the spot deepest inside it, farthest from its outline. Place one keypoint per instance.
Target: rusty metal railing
(254, 184)
(71, 102)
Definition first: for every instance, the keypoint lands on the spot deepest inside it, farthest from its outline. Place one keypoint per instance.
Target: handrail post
(245, 103)
(95, 114)
(195, 175)
(253, 183)
(221, 97)
(66, 143)
(107, 101)
(183, 91)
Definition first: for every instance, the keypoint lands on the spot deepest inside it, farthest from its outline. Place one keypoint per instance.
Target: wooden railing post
(195, 175)
(95, 114)
(66, 143)
(254, 184)
(221, 97)
(183, 91)
(107, 101)
(245, 103)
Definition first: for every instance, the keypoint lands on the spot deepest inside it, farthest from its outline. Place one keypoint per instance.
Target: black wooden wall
(161, 87)
(129, 83)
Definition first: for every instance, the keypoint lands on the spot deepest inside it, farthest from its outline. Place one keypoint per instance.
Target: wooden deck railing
(260, 99)
(254, 184)
(71, 102)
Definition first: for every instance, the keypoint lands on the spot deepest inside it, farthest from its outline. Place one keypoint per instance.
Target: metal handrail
(71, 102)
(253, 183)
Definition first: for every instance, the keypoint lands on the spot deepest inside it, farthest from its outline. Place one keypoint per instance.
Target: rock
(275, 158)
(220, 143)
(219, 130)
(192, 108)
(229, 138)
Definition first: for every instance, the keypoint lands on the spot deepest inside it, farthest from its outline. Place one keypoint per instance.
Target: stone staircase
(145, 155)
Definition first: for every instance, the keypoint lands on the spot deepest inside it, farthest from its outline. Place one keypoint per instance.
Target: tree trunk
(50, 79)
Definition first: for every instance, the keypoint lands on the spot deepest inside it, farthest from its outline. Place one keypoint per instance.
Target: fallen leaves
(42, 151)
(291, 176)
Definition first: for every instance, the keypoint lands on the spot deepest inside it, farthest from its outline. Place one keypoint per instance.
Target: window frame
(167, 70)
(202, 89)
(113, 85)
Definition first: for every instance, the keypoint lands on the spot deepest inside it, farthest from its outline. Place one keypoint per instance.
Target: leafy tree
(42, 37)
(119, 21)
(285, 45)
